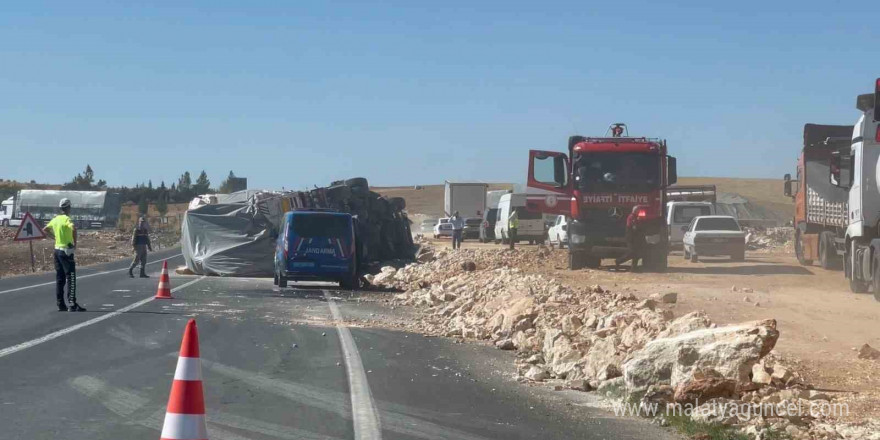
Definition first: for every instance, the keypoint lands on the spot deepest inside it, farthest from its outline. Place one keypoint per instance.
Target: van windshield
(320, 225)
(684, 214)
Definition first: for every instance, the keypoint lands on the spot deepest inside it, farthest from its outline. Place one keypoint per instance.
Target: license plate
(719, 240)
(302, 264)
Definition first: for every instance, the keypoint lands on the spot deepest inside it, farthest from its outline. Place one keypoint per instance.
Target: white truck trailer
(469, 199)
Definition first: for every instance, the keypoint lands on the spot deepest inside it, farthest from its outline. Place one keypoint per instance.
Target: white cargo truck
(469, 199)
(6, 209)
(857, 170)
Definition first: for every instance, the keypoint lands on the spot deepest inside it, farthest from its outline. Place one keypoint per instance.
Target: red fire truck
(597, 184)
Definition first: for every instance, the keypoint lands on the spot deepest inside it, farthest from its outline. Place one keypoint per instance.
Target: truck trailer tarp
(227, 240)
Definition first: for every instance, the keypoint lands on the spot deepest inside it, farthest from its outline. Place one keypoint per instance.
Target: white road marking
(365, 417)
(54, 335)
(79, 277)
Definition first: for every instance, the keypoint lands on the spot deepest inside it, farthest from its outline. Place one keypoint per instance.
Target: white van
(531, 224)
(679, 214)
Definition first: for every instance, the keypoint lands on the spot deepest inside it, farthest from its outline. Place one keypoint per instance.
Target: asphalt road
(276, 365)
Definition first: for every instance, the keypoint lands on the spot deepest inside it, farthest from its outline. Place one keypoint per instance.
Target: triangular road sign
(29, 229)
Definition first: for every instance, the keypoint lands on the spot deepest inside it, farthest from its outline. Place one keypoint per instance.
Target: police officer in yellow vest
(63, 230)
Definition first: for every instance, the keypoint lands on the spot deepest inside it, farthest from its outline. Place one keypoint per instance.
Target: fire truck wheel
(576, 260)
(592, 262)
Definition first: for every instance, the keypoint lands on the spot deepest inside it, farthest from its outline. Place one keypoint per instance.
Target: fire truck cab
(596, 185)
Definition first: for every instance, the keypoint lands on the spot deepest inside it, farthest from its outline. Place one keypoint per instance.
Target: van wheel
(687, 255)
(5, 222)
(694, 258)
(561, 246)
(282, 282)
(497, 241)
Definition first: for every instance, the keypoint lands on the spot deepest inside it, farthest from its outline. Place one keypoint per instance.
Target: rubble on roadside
(780, 238)
(594, 338)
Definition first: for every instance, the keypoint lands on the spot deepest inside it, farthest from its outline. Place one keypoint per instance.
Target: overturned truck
(234, 234)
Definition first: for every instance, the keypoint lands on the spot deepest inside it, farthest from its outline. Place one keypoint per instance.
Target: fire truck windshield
(628, 172)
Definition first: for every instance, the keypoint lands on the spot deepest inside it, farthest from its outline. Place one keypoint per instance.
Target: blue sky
(296, 93)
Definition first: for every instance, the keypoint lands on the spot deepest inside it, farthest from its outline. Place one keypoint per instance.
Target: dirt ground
(821, 322)
(95, 246)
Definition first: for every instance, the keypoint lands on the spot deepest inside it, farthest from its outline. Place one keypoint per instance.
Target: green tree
(143, 205)
(162, 204)
(83, 181)
(202, 185)
(226, 185)
(184, 184)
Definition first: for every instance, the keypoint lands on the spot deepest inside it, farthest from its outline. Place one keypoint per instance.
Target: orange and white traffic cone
(185, 416)
(164, 291)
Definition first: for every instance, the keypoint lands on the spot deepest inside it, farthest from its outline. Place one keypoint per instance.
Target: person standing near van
(140, 241)
(457, 230)
(62, 229)
(512, 226)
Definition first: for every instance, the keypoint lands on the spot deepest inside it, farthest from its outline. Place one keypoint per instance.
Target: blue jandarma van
(316, 245)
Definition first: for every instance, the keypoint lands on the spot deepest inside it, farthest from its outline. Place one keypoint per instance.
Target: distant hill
(764, 196)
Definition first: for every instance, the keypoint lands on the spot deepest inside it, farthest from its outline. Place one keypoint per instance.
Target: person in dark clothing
(62, 229)
(140, 240)
(635, 239)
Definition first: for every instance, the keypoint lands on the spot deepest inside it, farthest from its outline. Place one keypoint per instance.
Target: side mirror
(671, 171)
(841, 170)
(786, 185)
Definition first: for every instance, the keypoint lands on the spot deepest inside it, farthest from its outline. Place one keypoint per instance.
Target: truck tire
(576, 260)
(592, 262)
(875, 278)
(856, 286)
(799, 249)
(357, 181)
(656, 259)
(282, 282)
(338, 192)
(397, 203)
(828, 257)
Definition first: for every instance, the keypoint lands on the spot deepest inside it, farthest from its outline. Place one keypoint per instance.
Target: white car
(443, 228)
(558, 233)
(714, 235)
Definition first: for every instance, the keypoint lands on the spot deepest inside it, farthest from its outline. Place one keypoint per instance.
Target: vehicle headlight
(578, 239)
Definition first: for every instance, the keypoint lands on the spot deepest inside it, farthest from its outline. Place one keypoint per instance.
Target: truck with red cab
(596, 185)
